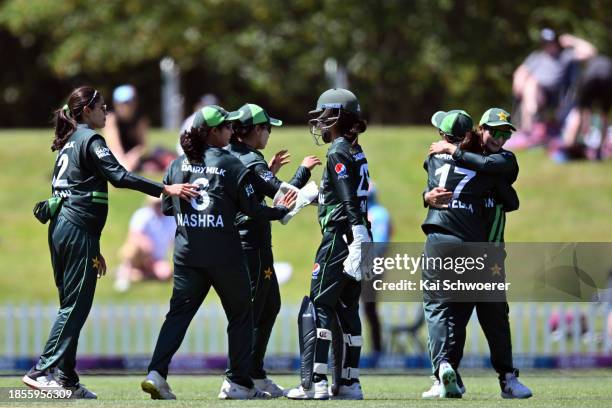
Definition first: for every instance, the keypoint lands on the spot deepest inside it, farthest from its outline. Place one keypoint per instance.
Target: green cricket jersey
(257, 232)
(464, 216)
(343, 194)
(83, 168)
(205, 234)
(502, 165)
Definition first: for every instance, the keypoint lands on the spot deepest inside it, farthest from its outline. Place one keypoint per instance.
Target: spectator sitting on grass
(144, 254)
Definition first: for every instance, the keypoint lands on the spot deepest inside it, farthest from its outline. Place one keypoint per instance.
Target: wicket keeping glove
(354, 266)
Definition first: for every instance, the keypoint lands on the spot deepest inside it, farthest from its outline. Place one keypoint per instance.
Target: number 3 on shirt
(362, 190)
(467, 176)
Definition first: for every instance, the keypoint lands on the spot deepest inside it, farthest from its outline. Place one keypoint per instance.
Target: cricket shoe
(434, 391)
(269, 386)
(38, 380)
(348, 392)
(318, 391)
(157, 386)
(448, 380)
(79, 391)
(513, 388)
(233, 391)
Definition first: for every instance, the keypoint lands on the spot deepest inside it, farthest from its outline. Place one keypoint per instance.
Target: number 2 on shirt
(365, 176)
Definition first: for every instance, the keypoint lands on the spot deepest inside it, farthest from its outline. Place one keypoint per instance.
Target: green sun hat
(454, 122)
(495, 117)
(254, 115)
(214, 115)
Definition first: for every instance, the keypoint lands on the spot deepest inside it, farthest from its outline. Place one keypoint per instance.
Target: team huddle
(217, 190)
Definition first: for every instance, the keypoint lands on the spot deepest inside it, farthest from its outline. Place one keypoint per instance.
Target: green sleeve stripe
(329, 209)
(497, 217)
(99, 201)
(502, 226)
(99, 194)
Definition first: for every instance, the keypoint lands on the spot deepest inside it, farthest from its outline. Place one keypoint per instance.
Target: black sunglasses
(503, 134)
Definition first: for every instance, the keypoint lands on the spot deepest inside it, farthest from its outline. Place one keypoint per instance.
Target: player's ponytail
(193, 142)
(67, 117)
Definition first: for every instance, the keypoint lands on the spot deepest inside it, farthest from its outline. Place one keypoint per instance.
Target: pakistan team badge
(202, 201)
(97, 265)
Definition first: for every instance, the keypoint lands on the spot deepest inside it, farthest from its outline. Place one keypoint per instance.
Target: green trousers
(266, 304)
(447, 321)
(333, 294)
(75, 258)
(191, 285)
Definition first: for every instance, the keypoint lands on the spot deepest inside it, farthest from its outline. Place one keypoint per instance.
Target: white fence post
(534, 318)
(10, 332)
(23, 330)
(132, 329)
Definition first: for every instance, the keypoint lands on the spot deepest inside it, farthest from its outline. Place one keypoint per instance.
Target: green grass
(558, 203)
(550, 388)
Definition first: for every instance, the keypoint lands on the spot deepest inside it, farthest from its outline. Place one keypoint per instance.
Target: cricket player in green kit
(207, 251)
(494, 130)
(251, 133)
(332, 309)
(462, 221)
(77, 212)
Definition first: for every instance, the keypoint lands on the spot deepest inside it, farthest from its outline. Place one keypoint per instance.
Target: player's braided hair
(193, 142)
(67, 117)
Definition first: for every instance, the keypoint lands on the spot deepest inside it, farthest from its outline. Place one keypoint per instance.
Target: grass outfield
(558, 203)
(551, 389)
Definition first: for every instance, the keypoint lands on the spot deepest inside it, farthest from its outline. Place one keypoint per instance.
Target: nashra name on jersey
(199, 220)
(202, 169)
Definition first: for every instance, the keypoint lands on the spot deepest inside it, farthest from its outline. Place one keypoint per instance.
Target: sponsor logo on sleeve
(102, 152)
(340, 170)
(249, 189)
(266, 175)
(315, 270)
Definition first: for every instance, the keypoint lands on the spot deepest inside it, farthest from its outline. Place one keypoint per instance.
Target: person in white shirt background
(144, 255)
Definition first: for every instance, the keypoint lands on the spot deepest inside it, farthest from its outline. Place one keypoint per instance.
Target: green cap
(496, 117)
(214, 115)
(454, 122)
(254, 115)
(338, 98)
